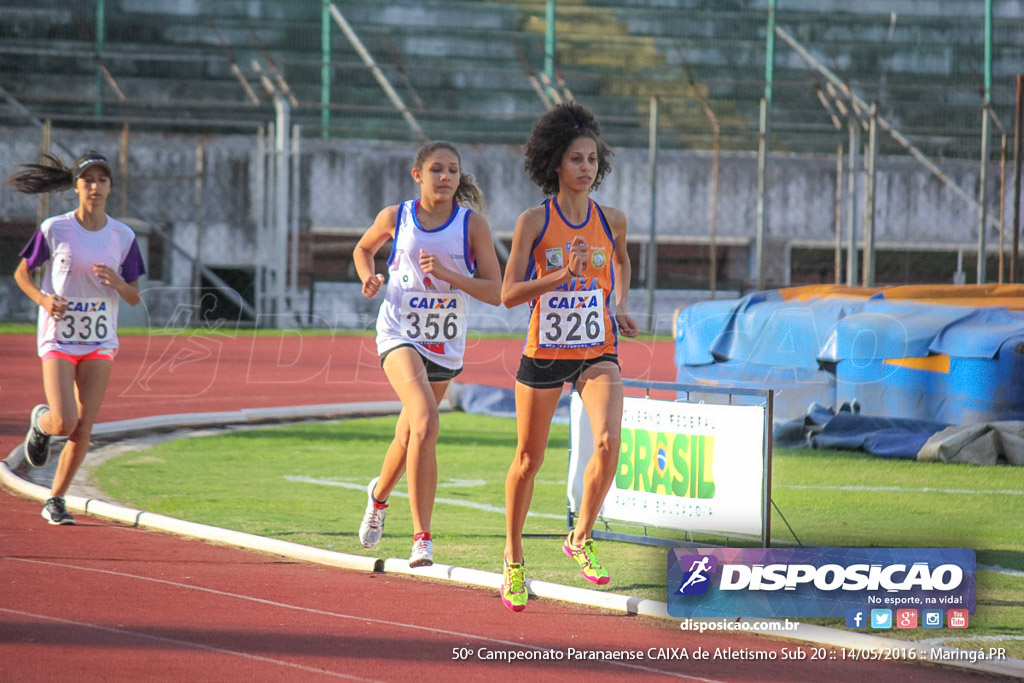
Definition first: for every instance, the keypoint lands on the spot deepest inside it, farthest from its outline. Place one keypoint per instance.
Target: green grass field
(306, 483)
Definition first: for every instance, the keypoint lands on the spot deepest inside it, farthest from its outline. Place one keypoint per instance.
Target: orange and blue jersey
(575, 321)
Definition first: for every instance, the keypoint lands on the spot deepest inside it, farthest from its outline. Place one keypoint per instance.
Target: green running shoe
(586, 557)
(513, 587)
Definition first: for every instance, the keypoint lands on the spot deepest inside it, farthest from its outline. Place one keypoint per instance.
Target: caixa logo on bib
(816, 582)
(586, 300)
(88, 306)
(433, 302)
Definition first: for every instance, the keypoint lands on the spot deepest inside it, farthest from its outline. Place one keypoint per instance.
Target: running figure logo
(696, 580)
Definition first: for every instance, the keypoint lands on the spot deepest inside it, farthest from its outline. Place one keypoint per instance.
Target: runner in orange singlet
(569, 261)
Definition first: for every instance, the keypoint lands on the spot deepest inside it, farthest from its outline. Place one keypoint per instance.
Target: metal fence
(872, 138)
(189, 198)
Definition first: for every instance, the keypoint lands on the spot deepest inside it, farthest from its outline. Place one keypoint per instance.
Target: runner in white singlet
(419, 308)
(442, 254)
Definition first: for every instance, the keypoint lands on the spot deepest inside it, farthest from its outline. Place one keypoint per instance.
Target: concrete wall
(911, 204)
(344, 184)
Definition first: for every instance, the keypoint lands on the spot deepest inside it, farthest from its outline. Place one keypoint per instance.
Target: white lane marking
(461, 483)
(182, 643)
(447, 501)
(452, 483)
(338, 615)
(999, 570)
(899, 489)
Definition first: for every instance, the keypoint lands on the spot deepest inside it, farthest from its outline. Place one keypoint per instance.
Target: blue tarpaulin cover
(847, 430)
(937, 355)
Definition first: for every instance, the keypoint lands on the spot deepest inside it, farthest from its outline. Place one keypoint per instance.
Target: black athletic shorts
(435, 372)
(548, 373)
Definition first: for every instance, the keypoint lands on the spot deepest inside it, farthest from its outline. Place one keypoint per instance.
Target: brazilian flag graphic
(666, 463)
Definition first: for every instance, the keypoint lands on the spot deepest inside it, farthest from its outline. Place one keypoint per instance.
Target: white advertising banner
(684, 466)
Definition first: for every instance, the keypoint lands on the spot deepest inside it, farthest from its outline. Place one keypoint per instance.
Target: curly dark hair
(551, 136)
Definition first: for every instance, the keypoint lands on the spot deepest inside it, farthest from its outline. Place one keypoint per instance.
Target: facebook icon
(856, 618)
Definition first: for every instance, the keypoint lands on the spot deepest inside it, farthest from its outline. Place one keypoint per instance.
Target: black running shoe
(37, 442)
(54, 512)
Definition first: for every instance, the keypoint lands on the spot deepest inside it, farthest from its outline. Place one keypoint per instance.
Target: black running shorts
(435, 372)
(548, 373)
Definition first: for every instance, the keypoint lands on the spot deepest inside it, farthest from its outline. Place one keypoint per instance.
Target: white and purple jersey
(67, 252)
(419, 309)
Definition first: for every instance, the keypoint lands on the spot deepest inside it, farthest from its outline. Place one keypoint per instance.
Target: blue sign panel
(819, 582)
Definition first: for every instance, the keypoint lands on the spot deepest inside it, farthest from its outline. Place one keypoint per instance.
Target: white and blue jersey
(419, 309)
(67, 252)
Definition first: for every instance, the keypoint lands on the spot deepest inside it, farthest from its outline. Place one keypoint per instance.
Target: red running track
(102, 601)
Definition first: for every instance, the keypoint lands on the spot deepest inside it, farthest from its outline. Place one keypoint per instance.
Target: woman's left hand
(431, 265)
(107, 275)
(627, 326)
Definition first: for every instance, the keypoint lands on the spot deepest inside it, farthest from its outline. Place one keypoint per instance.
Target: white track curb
(808, 633)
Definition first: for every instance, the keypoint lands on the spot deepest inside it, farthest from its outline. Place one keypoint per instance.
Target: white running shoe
(422, 554)
(372, 527)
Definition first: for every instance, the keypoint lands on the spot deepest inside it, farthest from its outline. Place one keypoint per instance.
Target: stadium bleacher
(463, 66)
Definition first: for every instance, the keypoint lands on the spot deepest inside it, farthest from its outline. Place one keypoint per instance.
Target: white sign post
(693, 467)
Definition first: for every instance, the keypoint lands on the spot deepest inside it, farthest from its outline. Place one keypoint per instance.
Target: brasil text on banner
(684, 466)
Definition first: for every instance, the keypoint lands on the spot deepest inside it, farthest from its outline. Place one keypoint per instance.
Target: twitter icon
(881, 618)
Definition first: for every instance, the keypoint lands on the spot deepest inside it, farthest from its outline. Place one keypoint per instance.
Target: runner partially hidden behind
(88, 263)
(441, 252)
(569, 261)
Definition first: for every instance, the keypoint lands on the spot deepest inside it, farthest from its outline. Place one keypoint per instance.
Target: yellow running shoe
(586, 557)
(513, 587)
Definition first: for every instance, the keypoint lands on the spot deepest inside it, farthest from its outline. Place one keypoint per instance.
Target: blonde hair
(467, 194)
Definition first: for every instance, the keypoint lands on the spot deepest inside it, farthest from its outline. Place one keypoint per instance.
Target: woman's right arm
(515, 289)
(51, 303)
(381, 231)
